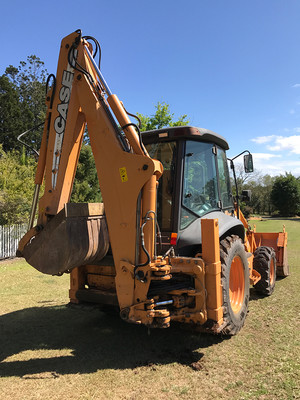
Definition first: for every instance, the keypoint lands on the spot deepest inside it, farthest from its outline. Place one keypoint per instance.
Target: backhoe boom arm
(127, 175)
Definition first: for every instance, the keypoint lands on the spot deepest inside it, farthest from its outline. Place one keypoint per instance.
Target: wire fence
(10, 236)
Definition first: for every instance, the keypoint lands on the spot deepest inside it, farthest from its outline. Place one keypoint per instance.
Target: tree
(10, 114)
(86, 185)
(285, 195)
(162, 118)
(264, 194)
(22, 102)
(243, 179)
(260, 186)
(16, 187)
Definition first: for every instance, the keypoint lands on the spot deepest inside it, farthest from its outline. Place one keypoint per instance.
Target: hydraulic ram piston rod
(99, 73)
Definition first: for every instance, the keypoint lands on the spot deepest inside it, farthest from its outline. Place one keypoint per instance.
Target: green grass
(51, 351)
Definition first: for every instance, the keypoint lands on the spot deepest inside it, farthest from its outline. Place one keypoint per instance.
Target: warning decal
(123, 174)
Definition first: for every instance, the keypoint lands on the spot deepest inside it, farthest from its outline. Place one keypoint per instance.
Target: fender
(191, 238)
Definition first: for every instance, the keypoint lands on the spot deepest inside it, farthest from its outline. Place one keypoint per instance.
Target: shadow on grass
(96, 341)
(254, 295)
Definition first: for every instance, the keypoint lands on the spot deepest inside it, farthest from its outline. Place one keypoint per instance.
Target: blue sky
(232, 66)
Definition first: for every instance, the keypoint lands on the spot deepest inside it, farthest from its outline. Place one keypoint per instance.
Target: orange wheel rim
(272, 272)
(236, 284)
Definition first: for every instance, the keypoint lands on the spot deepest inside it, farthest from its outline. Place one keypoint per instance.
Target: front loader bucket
(277, 240)
(76, 236)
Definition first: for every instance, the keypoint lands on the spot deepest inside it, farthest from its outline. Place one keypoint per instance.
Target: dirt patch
(10, 260)
(44, 375)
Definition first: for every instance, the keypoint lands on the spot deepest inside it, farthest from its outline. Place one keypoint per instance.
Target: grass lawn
(51, 351)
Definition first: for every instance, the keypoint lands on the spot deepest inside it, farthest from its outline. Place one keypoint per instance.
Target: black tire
(265, 263)
(235, 283)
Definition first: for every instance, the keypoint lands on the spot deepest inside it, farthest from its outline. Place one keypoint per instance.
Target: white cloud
(286, 153)
(292, 111)
(289, 143)
(263, 139)
(281, 143)
(274, 148)
(264, 156)
(294, 130)
(296, 85)
(275, 164)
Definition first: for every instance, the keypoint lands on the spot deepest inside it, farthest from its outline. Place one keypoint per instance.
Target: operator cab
(195, 184)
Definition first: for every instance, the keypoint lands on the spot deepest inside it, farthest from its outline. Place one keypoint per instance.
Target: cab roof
(184, 132)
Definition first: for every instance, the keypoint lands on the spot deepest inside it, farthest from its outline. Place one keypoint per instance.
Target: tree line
(270, 195)
(22, 107)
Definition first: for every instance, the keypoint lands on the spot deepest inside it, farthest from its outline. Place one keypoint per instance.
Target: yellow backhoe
(169, 242)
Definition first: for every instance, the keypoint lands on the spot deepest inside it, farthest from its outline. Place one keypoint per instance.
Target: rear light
(173, 239)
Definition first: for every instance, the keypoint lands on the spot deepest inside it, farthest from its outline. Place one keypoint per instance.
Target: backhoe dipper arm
(127, 175)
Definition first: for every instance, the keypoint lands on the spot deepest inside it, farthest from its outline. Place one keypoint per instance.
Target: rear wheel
(265, 263)
(235, 283)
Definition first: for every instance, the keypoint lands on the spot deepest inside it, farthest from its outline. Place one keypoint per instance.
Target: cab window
(165, 152)
(224, 180)
(200, 187)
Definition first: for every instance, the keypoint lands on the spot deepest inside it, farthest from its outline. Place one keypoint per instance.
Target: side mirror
(248, 163)
(246, 195)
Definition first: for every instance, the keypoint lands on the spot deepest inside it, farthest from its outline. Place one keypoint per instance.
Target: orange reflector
(173, 240)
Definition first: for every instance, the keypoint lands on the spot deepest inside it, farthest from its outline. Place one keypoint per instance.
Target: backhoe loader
(169, 242)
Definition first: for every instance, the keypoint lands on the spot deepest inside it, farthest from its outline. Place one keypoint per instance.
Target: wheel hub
(236, 284)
